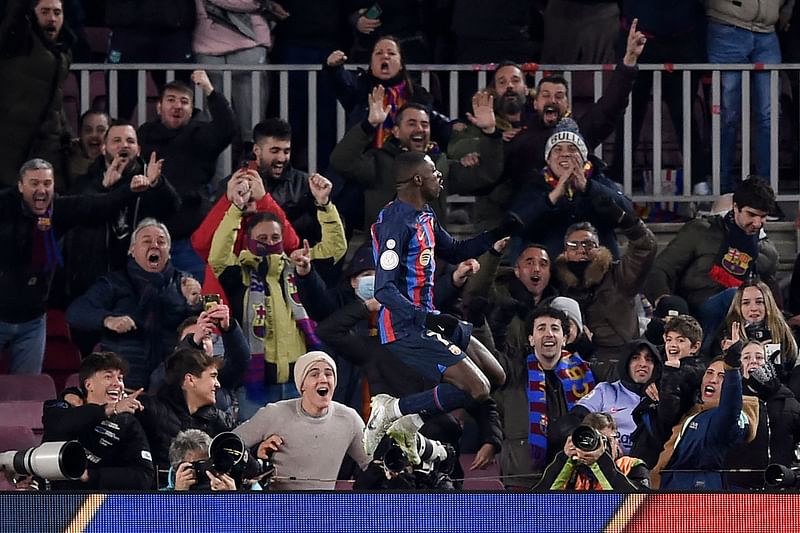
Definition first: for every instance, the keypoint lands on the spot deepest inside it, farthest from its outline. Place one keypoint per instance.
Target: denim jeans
(26, 344)
(729, 44)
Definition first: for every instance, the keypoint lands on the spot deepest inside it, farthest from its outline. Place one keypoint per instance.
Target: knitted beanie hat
(566, 131)
(303, 366)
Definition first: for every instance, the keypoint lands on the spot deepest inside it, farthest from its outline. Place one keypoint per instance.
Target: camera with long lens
(52, 461)
(228, 454)
(437, 461)
(778, 476)
(587, 438)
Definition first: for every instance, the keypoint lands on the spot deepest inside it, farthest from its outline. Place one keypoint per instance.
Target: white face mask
(365, 287)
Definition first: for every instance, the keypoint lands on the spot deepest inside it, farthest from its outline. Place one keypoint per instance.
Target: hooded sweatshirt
(620, 398)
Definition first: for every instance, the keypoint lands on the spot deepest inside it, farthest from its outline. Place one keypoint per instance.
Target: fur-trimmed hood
(595, 272)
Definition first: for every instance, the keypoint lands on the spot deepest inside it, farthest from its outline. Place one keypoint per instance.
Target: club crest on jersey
(425, 257)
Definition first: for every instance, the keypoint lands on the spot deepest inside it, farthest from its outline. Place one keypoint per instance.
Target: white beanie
(566, 131)
(302, 366)
(570, 308)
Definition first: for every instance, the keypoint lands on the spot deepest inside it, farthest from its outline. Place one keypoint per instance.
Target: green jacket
(682, 268)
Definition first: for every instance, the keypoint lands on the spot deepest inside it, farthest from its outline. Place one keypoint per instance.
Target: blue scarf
(576, 380)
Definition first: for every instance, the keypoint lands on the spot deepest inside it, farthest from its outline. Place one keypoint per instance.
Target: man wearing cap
(307, 437)
(604, 287)
(570, 189)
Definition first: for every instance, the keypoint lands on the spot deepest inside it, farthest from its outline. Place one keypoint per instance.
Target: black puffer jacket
(166, 414)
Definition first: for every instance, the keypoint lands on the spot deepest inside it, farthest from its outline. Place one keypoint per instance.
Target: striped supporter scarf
(576, 380)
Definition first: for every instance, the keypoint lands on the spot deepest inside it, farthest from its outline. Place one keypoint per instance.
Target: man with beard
(92, 251)
(92, 128)
(356, 159)
(32, 220)
(34, 59)
(528, 122)
(288, 186)
(606, 288)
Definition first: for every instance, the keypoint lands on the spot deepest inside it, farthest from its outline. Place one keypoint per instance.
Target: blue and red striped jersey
(405, 243)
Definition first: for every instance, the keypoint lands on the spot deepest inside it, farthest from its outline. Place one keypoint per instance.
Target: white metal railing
(452, 74)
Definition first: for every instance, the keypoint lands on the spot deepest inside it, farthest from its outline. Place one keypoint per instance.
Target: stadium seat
(61, 356)
(73, 380)
(17, 438)
(19, 387)
(26, 413)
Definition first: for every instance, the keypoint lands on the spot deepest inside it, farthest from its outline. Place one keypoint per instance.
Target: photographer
(188, 447)
(407, 460)
(592, 460)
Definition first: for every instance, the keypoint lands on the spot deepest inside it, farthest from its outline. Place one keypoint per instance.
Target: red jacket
(203, 235)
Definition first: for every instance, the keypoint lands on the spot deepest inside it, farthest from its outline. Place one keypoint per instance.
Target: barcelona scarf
(395, 97)
(577, 381)
(736, 257)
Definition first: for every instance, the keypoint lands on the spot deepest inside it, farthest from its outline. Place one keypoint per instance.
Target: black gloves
(733, 355)
(441, 323)
(606, 208)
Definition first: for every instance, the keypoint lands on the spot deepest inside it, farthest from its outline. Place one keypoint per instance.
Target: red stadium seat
(73, 380)
(17, 438)
(26, 413)
(19, 387)
(61, 356)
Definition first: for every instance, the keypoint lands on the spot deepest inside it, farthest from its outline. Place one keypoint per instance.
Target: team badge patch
(389, 259)
(425, 257)
(455, 350)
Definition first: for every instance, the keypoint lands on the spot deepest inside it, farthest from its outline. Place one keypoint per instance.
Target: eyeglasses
(586, 245)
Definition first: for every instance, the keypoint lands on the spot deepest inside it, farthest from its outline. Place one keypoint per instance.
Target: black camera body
(587, 438)
(228, 455)
(401, 474)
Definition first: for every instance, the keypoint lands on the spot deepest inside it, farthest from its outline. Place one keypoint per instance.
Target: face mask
(365, 287)
(263, 250)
